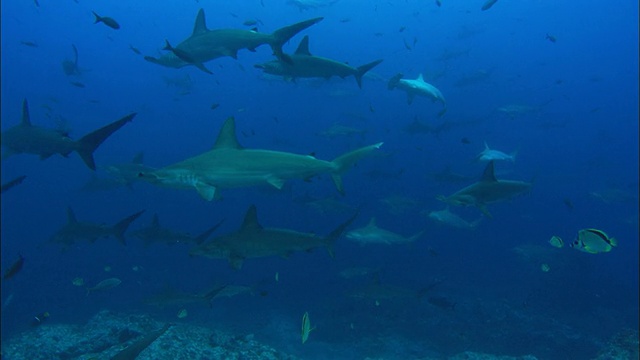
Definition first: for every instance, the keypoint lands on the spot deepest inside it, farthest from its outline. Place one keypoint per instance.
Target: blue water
(578, 141)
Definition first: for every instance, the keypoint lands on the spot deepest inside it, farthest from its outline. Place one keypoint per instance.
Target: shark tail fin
(120, 228)
(202, 237)
(393, 82)
(344, 162)
(337, 233)
(363, 70)
(90, 142)
(284, 34)
(416, 236)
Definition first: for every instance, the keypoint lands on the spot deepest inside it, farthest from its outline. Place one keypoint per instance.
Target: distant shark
(487, 190)
(446, 217)
(204, 45)
(75, 230)
(372, 234)
(489, 154)
(415, 87)
(26, 138)
(229, 165)
(254, 241)
(170, 297)
(154, 233)
(70, 67)
(302, 64)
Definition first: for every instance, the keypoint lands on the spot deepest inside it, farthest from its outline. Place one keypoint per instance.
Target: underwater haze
(474, 195)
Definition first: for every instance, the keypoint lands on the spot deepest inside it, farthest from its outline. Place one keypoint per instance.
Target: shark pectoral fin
(236, 262)
(276, 182)
(232, 53)
(203, 68)
(484, 210)
(337, 180)
(207, 191)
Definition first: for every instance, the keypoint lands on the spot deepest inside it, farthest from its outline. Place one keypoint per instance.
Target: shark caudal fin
(393, 82)
(363, 70)
(202, 237)
(120, 228)
(337, 233)
(284, 34)
(90, 142)
(343, 162)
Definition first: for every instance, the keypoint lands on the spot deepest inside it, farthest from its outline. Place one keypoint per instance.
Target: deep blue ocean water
(575, 132)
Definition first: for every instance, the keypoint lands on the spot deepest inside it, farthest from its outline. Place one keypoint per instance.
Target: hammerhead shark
(204, 45)
(155, 233)
(304, 65)
(254, 241)
(229, 165)
(75, 230)
(415, 87)
(26, 138)
(488, 190)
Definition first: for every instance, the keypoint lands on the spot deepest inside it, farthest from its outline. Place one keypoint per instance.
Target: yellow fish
(306, 327)
(593, 241)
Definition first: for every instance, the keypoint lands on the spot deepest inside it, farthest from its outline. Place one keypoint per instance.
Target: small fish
(306, 327)
(371, 108)
(29, 43)
(568, 203)
(107, 21)
(14, 269)
(38, 319)
(182, 313)
(77, 84)
(465, 140)
(556, 241)
(551, 38)
(488, 4)
(78, 281)
(545, 267)
(37, 3)
(105, 285)
(107, 268)
(134, 49)
(439, 3)
(277, 276)
(593, 241)
(402, 28)
(214, 106)
(406, 45)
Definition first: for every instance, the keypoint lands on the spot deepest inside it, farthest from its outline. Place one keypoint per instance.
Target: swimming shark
(416, 87)
(446, 217)
(489, 154)
(229, 165)
(254, 241)
(70, 67)
(154, 233)
(26, 138)
(171, 297)
(75, 230)
(204, 45)
(488, 190)
(302, 64)
(372, 234)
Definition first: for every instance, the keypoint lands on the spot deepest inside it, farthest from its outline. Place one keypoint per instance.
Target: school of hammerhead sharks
(230, 165)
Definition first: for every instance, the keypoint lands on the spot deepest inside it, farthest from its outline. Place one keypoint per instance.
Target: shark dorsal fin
(420, 78)
(26, 119)
(227, 136)
(372, 222)
(251, 219)
(155, 223)
(201, 24)
(138, 159)
(486, 147)
(489, 174)
(303, 47)
(71, 216)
